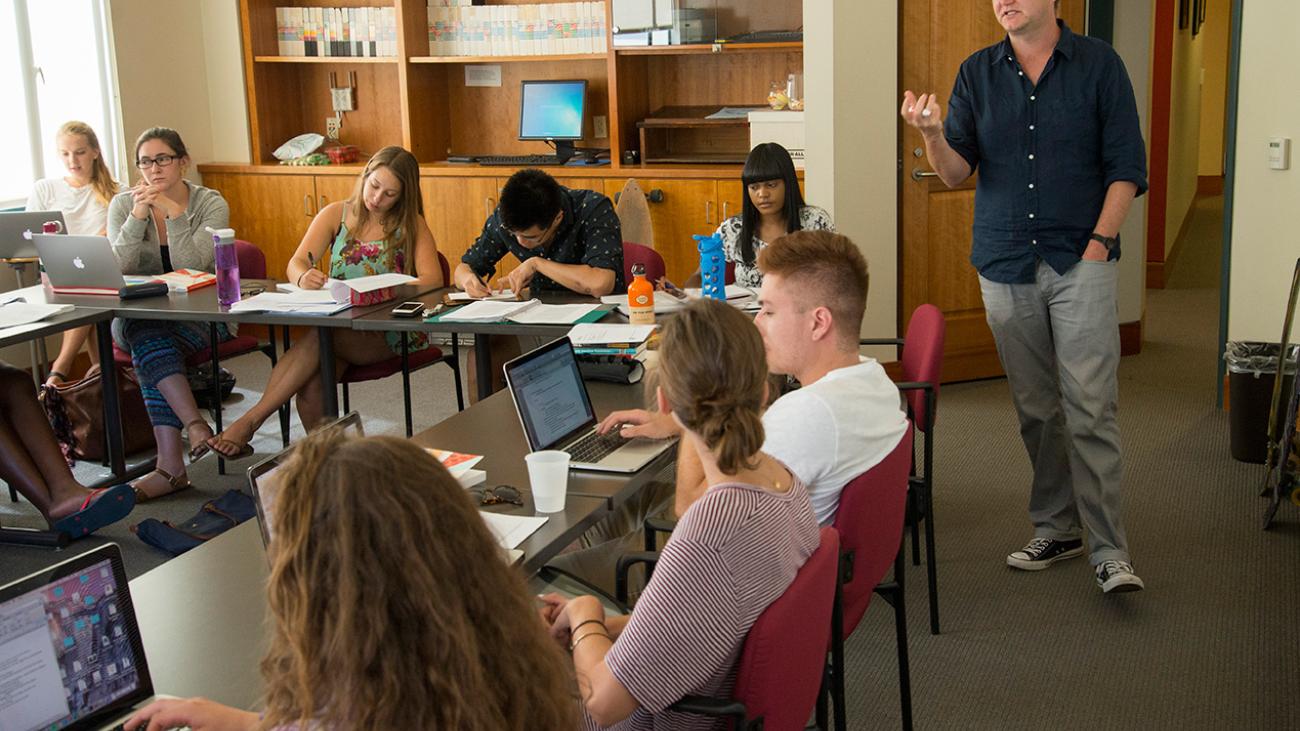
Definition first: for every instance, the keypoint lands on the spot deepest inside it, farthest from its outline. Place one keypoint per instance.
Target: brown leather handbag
(76, 411)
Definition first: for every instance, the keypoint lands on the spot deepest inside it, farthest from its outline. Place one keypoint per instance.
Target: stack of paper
(504, 294)
(532, 312)
(512, 530)
(13, 314)
(303, 302)
(594, 333)
(347, 290)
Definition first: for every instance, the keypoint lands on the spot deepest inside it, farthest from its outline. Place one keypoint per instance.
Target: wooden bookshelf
(420, 101)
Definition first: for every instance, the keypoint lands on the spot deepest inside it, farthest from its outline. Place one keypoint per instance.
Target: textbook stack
(457, 28)
(347, 32)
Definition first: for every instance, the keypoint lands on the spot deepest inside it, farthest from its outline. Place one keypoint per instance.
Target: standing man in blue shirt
(1049, 120)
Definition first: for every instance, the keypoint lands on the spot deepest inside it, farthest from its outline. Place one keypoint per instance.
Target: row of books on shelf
(517, 30)
(348, 32)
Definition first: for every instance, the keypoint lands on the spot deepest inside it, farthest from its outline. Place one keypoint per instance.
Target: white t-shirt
(834, 429)
(83, 214)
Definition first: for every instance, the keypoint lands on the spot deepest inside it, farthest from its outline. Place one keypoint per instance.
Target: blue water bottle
(713, 266)
(223, 245)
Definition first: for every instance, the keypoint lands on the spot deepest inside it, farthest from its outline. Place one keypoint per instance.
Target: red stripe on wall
(1164, 26)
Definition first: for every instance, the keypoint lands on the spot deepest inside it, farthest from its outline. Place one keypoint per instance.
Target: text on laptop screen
(549, 392)
(65, 651)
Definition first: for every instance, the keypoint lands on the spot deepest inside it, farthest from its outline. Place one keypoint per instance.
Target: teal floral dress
(350, 258)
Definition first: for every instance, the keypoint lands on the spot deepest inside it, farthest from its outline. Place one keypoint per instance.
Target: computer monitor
(552, 110)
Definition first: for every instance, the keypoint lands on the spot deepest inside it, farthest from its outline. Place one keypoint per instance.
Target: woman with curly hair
(390, 606)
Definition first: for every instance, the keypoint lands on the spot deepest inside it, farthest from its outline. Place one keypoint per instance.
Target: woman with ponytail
(734, 551)
(82, 196)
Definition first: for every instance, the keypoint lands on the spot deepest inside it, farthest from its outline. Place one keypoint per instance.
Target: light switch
(1279, 153)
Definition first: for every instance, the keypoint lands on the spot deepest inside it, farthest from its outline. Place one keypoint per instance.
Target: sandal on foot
(100, 508)
(198, 449)
(244, 450)
(177, 482)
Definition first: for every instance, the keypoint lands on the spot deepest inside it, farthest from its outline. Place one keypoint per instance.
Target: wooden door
(271, 211)
(455, 209)
(333, 188)
(936, 220)
(687, 207)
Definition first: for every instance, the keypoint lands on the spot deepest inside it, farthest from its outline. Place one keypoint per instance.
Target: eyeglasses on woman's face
(161, 161)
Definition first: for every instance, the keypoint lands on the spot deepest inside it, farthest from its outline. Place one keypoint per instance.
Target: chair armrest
(897, 342)
(654, 526)
(915, 386)
(713, 707)
(627, 561)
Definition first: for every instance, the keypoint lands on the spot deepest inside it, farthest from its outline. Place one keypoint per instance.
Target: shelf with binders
(538, 58)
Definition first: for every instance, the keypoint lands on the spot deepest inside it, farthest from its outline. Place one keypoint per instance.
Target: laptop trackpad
(632, 455)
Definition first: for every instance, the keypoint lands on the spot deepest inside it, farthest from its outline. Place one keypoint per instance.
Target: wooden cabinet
(455, 209)
(271, 211)
(687, 207)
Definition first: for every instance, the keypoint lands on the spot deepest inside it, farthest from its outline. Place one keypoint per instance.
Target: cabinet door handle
(323, 202)
(726, 210)
(708, 212)
(488, 206)
(306, 206)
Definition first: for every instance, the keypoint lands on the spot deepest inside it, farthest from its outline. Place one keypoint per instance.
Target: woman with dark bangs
(773, 207)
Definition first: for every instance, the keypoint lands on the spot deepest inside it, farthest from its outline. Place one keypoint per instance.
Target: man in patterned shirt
(564, 239)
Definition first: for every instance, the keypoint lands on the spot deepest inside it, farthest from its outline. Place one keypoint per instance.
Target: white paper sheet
(503, 295)
(541, 314)
(26, 313)
(280, 302)
(486, 311)
(511, 530)
(594, 333)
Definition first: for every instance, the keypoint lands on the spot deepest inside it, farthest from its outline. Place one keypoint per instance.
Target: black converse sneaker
(1043, 552)
(1117, 576)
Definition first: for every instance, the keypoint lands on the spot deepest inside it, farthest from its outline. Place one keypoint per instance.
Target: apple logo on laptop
(78, 263)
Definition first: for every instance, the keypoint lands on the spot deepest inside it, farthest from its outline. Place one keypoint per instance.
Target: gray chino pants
(1058, 339)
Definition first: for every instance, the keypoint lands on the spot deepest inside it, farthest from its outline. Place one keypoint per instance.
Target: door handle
(655, 195)
(918, 174)
(306, 206)
(708, 212)
(726, 210)
(323, 201)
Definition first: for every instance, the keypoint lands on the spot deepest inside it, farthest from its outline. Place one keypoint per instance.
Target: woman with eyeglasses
(734, 551)
(390, 607)
(155, 227)
(82, 196)
(379, 229)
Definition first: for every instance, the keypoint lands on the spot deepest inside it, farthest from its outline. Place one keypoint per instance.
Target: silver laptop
(71, 646)
(262, 476)
(13, 244)
(555, 410)
(79, 264)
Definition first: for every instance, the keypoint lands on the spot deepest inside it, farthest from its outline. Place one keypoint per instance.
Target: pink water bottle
(49, 227)
(223, 246)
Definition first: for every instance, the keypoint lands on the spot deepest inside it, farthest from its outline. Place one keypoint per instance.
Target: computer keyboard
(519, 160)
(594, 447)
(767, 36)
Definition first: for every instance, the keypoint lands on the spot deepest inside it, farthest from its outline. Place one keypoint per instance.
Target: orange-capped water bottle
(640, 298)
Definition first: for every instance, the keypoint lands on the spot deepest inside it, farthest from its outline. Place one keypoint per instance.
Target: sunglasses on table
(497, 495)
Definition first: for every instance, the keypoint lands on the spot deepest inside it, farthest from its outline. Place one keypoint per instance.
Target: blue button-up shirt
(1045, 153)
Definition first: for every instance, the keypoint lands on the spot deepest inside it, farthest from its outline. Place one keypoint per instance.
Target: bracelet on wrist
(574, 644)
(300, 276)
(580, 625)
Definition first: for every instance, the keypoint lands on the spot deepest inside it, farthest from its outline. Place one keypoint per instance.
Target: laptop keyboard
(594, 447)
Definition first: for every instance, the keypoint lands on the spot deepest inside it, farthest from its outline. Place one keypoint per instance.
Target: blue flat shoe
(101, 507)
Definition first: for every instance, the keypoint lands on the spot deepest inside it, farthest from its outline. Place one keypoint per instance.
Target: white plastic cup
(548, 473)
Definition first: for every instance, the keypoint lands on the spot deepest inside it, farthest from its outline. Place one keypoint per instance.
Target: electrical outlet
(332, 127)
(599, 127)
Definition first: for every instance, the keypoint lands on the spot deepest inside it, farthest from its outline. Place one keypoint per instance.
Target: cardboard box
(784, 128)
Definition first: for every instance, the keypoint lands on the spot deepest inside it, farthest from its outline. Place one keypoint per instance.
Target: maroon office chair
(639, 254)
(921, 353)
(407, 362)
(870, 522)
(781, 666)
(252, 265)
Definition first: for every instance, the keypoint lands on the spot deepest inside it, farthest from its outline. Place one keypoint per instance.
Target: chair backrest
(638, 254)
(923, 358)
(781, 664)
(252, 262)
(446, 270)
(870, 522)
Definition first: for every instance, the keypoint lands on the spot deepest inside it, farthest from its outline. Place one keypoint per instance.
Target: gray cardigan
(135, 242)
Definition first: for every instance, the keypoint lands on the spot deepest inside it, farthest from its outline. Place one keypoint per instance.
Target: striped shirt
(732, 554)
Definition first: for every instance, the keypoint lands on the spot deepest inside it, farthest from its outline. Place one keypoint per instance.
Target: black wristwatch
(1110, 242)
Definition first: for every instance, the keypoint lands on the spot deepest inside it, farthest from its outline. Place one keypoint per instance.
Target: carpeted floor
(1212, 643)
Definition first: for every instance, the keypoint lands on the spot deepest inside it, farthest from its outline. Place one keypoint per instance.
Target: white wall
(1132, 39)
(852, 141)
(1265, 212)
(179, 65)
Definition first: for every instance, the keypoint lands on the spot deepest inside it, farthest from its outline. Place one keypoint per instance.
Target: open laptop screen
(550, 395)
(70, 651)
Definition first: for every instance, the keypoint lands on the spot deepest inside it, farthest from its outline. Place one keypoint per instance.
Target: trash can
(1252, 369)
